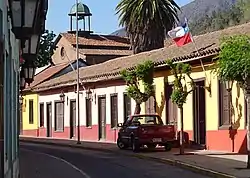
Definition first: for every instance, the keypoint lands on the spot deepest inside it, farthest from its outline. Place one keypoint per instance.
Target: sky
(104, 20)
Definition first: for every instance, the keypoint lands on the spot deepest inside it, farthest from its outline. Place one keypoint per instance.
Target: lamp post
(78, 81)
(229, 86)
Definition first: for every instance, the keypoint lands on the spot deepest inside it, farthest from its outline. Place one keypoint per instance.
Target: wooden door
(102, 117)
(72, 118)
(49, 119)
(171, 108)
(199, 114)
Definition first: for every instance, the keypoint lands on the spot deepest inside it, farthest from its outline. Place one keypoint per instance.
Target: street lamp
(31, 45)
(229, 85)
(62, 96)
(22, 80)
(29, 71)
(29, 54)
(23, 14)
(88, 94)
(21, 100)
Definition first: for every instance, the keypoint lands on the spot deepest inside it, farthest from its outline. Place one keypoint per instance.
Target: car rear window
(148, 120)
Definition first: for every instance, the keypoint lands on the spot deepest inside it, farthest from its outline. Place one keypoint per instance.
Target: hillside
(195, 10)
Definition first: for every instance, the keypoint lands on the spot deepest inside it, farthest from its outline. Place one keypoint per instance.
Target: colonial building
(208, 119)
(94, 49)
(29, 118)
(17, 37)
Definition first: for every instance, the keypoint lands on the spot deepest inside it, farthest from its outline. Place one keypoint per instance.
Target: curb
(183, 165)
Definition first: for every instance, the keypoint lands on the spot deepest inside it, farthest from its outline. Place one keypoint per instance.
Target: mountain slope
(194, 10)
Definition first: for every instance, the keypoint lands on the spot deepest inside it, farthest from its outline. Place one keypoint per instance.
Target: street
(44, 161)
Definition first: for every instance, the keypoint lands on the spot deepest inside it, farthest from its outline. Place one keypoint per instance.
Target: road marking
(59, 159)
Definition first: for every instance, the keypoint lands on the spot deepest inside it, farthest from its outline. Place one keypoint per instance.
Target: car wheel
(151, 146)
(168, 146)
(120, 144)
(135, 145)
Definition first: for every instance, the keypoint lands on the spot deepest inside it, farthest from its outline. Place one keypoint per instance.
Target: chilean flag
(181, 35)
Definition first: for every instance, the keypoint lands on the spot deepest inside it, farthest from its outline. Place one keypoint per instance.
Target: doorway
(49, 119)
(72, 120)
(102, 117)
(199, 113)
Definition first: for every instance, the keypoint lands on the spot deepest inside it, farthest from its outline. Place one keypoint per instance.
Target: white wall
(98, 91)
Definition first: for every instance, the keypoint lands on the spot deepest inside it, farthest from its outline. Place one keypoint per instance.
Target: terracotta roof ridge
(223, 30)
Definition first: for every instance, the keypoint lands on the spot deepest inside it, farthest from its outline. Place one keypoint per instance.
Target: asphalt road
(44, 161)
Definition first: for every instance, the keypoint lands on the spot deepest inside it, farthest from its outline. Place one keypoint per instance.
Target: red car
(148, 129)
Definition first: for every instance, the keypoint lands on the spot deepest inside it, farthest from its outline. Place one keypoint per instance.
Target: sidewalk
(213, 163)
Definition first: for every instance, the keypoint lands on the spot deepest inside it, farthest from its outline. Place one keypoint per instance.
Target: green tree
(46, 49)
(234, 65)
(180, 91)
(143, 72)
(147, 22)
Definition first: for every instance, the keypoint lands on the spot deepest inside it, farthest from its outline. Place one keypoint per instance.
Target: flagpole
(78, 81)
(199, 54)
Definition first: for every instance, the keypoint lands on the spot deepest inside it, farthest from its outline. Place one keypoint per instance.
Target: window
(148, 120)
(59, 116)
(224, 105)
(88, 112)
(114, 110)
(41, 115)
(126, 106)
(31, 112)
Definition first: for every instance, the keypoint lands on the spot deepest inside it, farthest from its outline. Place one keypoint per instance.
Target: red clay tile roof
(46, 74)
(208, 45)
(105, 52)
(97, 40)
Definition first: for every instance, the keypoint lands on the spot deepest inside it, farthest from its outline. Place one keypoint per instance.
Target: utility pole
(77, 85)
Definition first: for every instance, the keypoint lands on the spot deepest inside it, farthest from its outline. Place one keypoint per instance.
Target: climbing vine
(180, 92)
(143, 72)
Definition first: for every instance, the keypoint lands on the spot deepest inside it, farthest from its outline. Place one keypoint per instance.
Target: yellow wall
(25, 111)
(212, 101)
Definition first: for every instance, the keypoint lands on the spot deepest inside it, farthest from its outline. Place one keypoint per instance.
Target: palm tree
(147, 21)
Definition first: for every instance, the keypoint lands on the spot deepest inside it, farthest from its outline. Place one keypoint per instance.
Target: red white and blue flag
(181, 35)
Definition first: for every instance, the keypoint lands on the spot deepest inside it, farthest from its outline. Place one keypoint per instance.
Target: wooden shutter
(172, 109)
(88, 112)
(127, 106)
(31, 112)
(224, 105)
(59, 125)
(41, 114)
(150, 105)
(114, 110)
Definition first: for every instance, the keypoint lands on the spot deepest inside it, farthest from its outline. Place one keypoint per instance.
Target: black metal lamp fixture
(21, 100)
(29, 54)
(228, 85)
(62, 96)
(29, 70)
(24, 13)
(22, 80)
(31, 45)
(88, 94)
